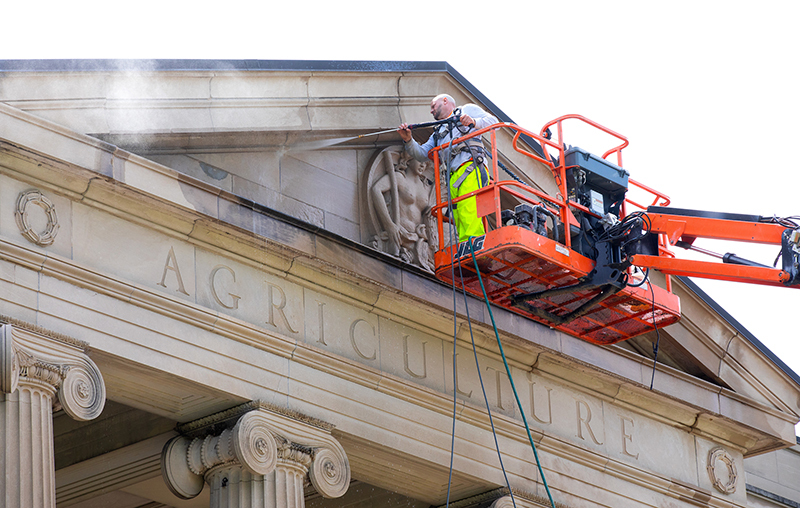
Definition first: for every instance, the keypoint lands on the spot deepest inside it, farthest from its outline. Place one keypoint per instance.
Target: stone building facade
(201, 306)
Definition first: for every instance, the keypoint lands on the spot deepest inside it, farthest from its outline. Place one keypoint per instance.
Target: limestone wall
(772, 478)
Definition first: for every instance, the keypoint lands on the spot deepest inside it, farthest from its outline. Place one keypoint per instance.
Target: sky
(705, 91)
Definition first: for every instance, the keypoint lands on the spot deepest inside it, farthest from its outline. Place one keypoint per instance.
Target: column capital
(30, 354)
(260, 438)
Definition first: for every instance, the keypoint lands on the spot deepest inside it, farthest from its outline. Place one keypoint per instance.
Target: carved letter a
(172, 264)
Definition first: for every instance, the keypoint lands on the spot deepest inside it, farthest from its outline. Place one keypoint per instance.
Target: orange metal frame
(677, 227)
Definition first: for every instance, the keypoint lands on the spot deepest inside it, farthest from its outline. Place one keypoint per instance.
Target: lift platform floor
(514, 260)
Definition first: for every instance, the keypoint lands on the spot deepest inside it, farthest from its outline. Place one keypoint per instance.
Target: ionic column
(39, 372)
(261, 460)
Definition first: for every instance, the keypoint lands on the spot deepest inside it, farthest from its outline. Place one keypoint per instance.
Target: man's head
(442, 106)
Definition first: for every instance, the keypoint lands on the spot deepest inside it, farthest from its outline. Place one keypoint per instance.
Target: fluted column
(38, 372)
(260, 461)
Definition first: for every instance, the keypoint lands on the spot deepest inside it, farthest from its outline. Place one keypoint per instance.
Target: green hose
(508, 371)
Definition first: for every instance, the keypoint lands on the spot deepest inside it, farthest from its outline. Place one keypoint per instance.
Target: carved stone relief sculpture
(40, 372)
(255, 455)
(399, 197)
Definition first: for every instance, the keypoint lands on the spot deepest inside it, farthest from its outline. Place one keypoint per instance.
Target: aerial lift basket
(533, 268)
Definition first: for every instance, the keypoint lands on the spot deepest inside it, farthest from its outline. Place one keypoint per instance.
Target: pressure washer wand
(412, 127)
(375, 133)
(431, 124)
(451, 119)
(325, 143)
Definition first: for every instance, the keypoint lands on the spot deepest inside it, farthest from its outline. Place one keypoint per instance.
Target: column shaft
(27, 471)
(234, 487)
(289, 480)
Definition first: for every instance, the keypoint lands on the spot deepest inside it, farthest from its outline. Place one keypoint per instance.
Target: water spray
(324, 143)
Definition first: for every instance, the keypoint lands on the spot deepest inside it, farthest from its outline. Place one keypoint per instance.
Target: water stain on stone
(211, 171)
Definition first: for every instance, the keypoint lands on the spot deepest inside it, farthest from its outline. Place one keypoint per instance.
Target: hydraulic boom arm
(682, 227)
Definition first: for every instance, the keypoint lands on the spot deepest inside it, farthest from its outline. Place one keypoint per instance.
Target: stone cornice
(700, 294)
(200, 65)
(249, 66)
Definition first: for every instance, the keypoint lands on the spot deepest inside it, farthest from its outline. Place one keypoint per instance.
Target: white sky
(706, 91)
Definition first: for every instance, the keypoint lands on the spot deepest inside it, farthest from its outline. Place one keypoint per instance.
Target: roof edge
(143, 64)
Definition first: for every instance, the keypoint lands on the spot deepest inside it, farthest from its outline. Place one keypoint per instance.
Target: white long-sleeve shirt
(420, 152)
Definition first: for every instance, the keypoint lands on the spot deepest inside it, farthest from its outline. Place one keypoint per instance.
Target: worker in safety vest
(466, 161)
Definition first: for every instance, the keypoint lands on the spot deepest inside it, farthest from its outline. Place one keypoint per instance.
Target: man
(466, 174)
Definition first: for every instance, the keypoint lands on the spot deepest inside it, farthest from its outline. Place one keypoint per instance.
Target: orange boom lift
(568, 261)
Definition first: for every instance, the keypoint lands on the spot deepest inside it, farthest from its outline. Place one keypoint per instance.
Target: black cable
(658, 337)
(788, 222)
(617, 232)
(644, 280)
(621, 229)
(775, 263)
(512, 175)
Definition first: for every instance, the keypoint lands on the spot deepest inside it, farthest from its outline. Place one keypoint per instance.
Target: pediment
(711, 345)
(232, 139)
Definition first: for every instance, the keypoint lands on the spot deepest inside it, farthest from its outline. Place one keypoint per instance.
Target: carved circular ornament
(82, 393)
(722, 471)
(35, 197)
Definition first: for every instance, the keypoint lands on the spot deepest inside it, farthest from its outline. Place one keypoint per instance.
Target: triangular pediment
(710, 344)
